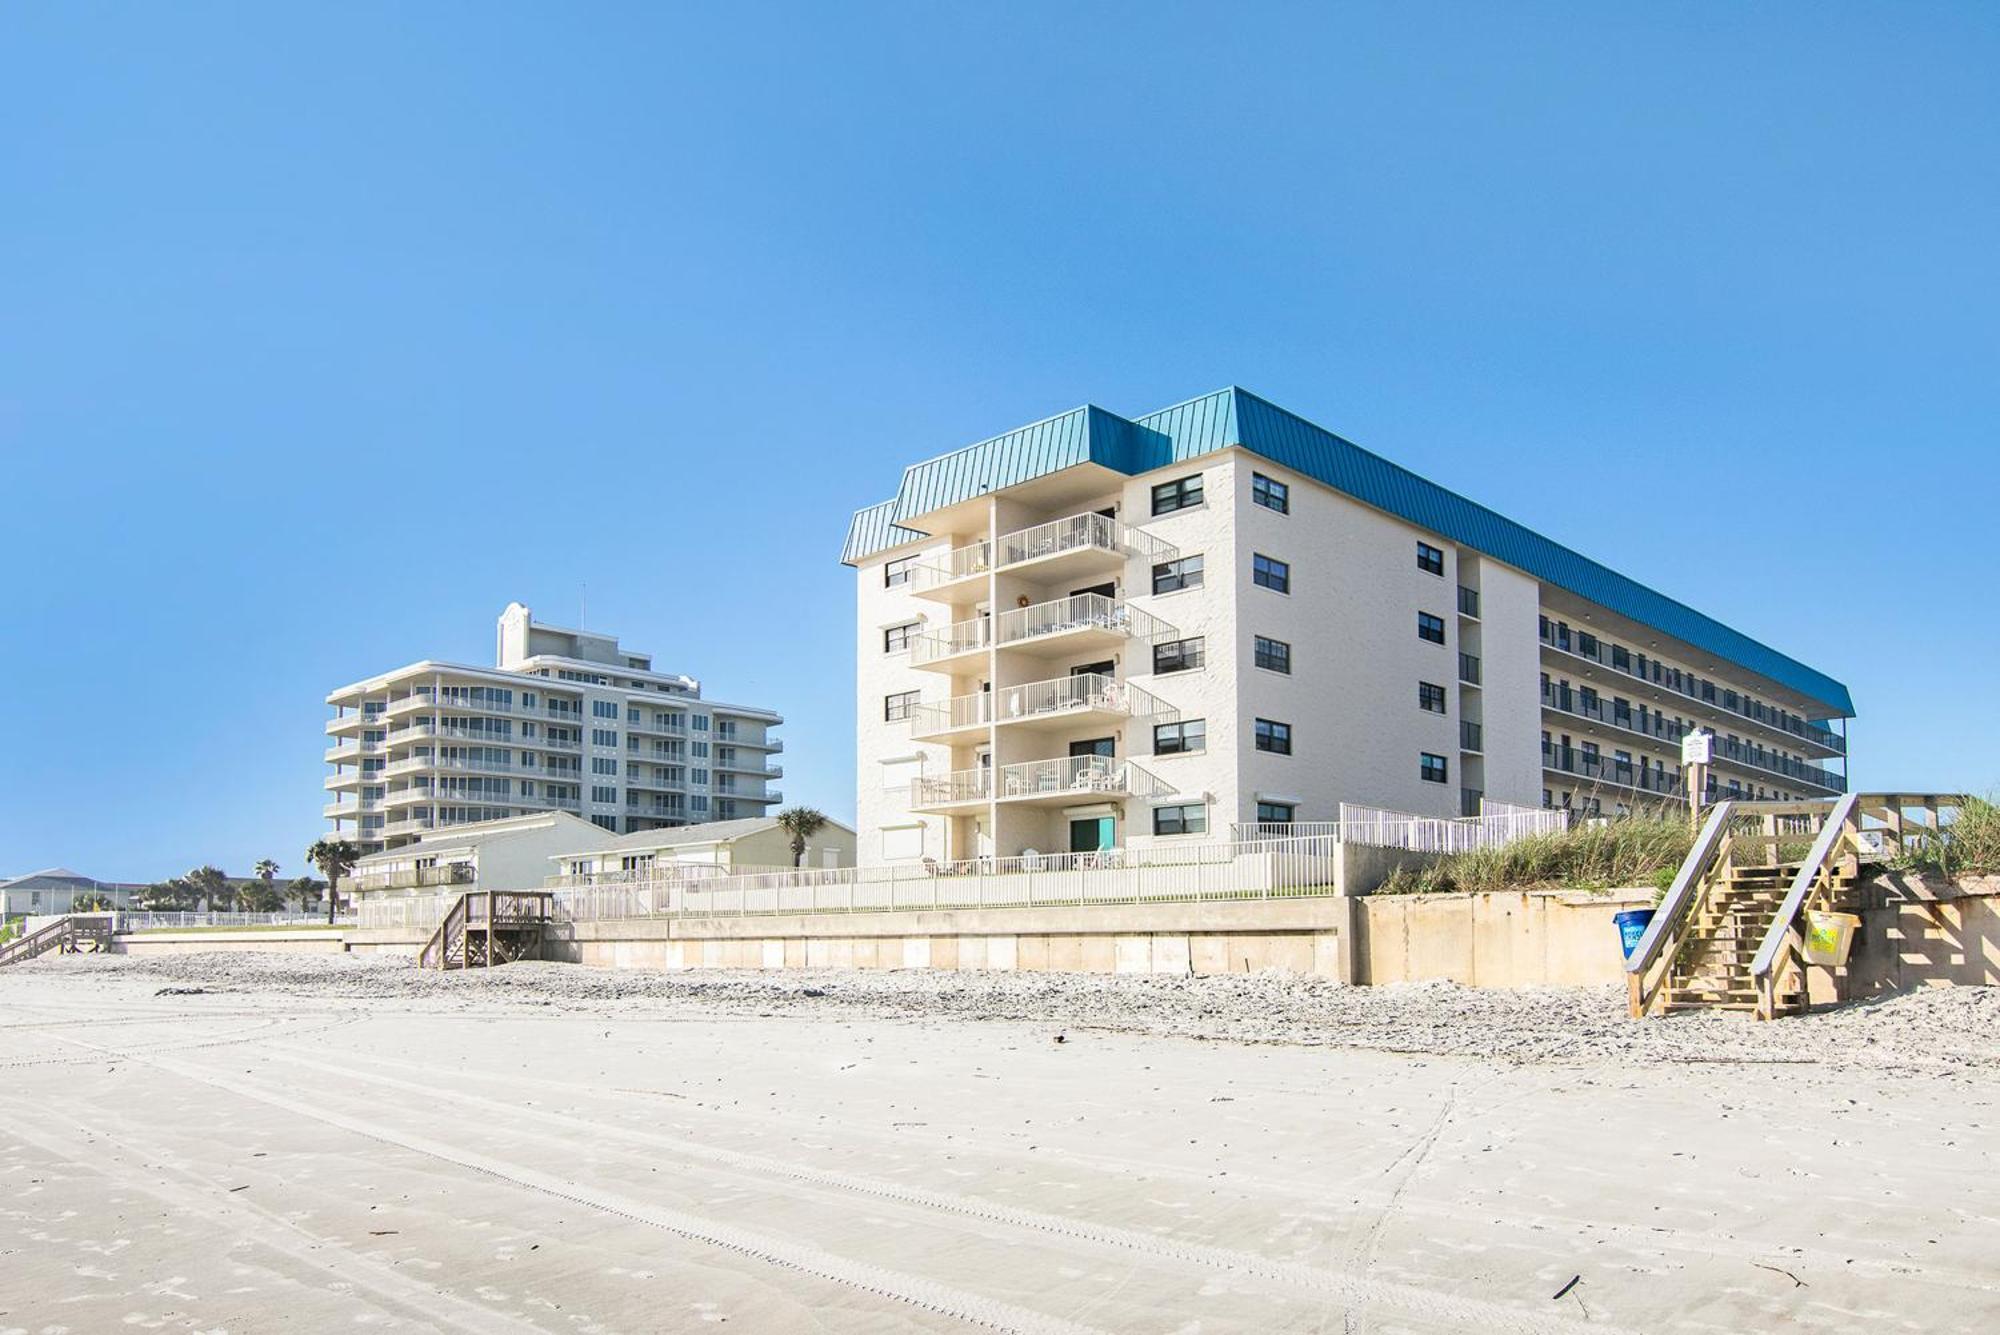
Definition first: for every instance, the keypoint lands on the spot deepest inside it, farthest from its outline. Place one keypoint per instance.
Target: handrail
(1678, 903)
(37, 942)
(1764, 968)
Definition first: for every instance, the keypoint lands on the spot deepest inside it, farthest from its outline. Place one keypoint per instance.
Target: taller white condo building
(1099, 631)
(566, 720)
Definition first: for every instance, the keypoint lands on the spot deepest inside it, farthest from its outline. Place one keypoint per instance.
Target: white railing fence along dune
(1292, 860)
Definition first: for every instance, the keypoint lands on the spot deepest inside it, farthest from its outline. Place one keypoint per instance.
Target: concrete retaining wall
(1914, 934)
(320, 941)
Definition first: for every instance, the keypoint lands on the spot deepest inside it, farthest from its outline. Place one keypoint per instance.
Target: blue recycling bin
(1632, 926)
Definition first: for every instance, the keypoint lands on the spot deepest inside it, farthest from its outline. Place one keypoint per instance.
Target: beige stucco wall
(1521, 939)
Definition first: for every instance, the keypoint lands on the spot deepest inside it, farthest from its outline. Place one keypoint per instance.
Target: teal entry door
(1094, 835)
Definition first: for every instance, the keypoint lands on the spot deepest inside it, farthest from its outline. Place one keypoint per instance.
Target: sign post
(1697, 749)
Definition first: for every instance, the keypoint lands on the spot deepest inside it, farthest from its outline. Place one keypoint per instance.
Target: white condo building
(1096, 632)
(566, 720)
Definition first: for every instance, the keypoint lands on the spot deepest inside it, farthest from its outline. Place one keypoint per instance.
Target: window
(1430, 697)
(897, 638)
(1433, 769)
(902, 843)
(604, 709)
(1184, 494)
(1173, 739)
(598, 793)
(1189, 819)
(1430, 559)
(897, 571)
(1178, 655)
(603, 737)
(1173, 576)
(603, 765)
(1274, 737)
(1275, 813)
(1430, 628)
(1273, 654)
(1269, 574)
(1270, 493)
(632, 714)
(899, 706)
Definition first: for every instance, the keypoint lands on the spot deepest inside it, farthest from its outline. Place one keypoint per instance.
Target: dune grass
(1969, 846)
(1628, 851)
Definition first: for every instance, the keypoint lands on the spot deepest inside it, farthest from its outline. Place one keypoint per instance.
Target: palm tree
(211, 885)
(334, 858)
(168, 895)
(305, 890)
(802, 823)
(267, 870)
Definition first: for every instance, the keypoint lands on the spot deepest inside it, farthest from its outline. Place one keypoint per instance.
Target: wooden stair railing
(1729, 933)
(68, 935)
(488, 927)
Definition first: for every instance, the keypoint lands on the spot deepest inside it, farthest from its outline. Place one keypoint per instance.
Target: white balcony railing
(1084, 532)
(959, 712)
(965, 785)
(962, 637)
(961, 563)
(1077, 693)
(1069, 775)
(1079, 611)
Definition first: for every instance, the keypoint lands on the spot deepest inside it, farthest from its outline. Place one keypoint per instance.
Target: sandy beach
(259, 1142)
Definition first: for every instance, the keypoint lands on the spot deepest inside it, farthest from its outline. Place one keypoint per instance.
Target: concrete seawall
(1914, 933)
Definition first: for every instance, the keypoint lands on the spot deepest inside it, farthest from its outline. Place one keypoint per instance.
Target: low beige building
(752, 842)
(511, 854)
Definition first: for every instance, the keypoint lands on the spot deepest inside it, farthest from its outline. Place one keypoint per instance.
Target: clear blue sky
(326, 332)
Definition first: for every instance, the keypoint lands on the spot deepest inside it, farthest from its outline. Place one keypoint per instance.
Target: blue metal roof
(875, 530)
(1237, 417)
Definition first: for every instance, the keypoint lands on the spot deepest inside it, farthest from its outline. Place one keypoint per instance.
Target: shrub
(1632, 850)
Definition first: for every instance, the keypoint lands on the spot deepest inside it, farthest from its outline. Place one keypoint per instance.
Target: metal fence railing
(1292, 860)
(123, 921)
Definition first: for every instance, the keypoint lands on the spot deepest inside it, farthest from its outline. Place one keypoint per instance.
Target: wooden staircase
(80, 934)
(1712, 968)
(1730, 932)
(483, 928)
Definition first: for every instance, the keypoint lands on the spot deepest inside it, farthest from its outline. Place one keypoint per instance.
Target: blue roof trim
(1237, 417)
(874, 530)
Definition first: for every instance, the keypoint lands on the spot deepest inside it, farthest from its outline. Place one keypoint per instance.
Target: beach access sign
(1697, 748)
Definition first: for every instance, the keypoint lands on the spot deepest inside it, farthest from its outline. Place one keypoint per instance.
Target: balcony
(1657, 728)
(347, 753)
(1065, 779)
(351, 721)
(957, 645)
(419, 763)
(1663, 784)
(1081, 621)
(1471, 736)
(954, 575)
(1060, 549)
(1468, 603)
(1679, 684)
(1069, 778)
(1468, 668)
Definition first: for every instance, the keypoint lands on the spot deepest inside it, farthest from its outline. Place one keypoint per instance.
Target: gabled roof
(1235, 416)
(681, 836)
(48, 874)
